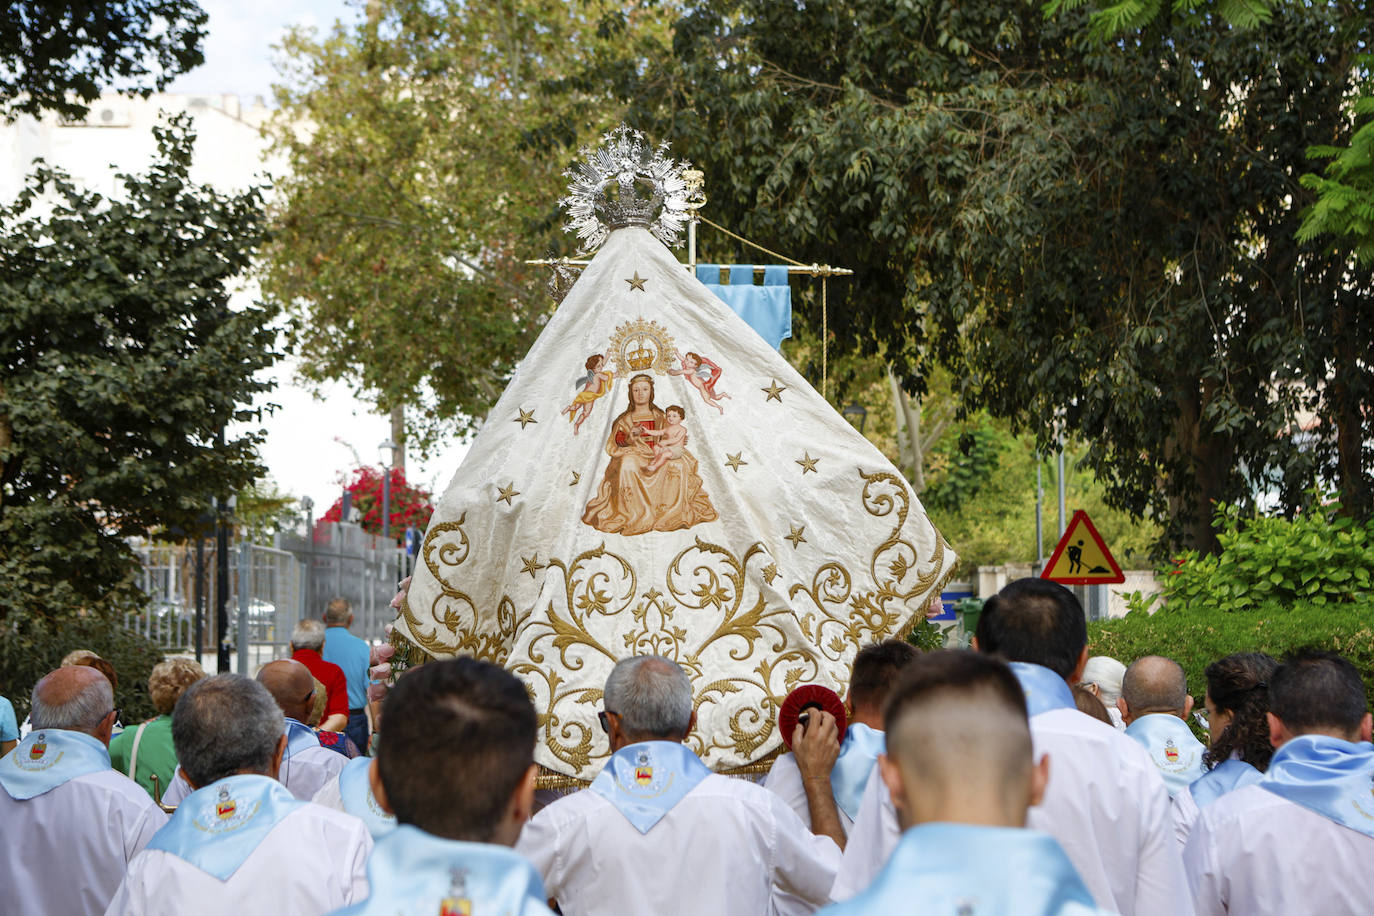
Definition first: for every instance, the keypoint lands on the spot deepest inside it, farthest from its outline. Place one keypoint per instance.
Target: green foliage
(1318, 557)
(968, 469)
(58, 56)
(1345, 194)
(35, 646)
(1197, 636)
(1113, 19)
(1105, 235)
(121, 364)
(926, 636)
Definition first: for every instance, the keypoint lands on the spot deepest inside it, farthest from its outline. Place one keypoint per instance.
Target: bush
(1317, 557)
(37, 645)
(1196, 635)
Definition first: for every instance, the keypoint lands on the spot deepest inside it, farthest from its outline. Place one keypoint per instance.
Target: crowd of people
(985, 781)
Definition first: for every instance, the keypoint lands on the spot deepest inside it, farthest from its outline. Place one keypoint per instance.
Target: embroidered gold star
(808, 463)
(796, 536)
(532, 565)
(507, 493)
(734, 461)
(770, 572)
(576, 477)
(526, 417)
(774, 392)
(637, 282)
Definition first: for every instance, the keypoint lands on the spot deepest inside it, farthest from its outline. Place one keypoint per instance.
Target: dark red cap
(805, 696)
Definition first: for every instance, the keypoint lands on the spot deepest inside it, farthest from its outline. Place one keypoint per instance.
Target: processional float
(656, 478)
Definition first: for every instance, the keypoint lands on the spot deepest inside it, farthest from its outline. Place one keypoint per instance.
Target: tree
(1097, 239)
(57, 56)
(424, 168)
(122, 364)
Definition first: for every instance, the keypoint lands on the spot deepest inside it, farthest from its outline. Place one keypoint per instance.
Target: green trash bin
(969, 610)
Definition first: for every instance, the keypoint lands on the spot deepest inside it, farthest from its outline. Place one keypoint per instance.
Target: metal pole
(221, 588)
(386, 502)
(200, 598)
(1039, 517)
(1063, 518)
(245, 559)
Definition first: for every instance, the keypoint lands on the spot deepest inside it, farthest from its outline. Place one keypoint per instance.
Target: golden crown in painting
(641, 346)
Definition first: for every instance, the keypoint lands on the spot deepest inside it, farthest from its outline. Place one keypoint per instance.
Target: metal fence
(270, 589)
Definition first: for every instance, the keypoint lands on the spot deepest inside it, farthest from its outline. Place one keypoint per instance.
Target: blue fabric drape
(767, 308)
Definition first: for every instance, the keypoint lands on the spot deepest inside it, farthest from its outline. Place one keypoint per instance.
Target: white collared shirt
(304, 773)
(65, 851)
(1105, 804)
(1252, 851)
(785, 780)
(313, 862)
(718, 851)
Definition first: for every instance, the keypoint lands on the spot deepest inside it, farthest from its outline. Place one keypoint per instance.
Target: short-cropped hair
(337, 612)
(876, 669)
(1035, 621)
(458, 740)
(83, 711)
(225, 724)
(308, 634)
(652, 696)
(1315, 690)
(169, 679)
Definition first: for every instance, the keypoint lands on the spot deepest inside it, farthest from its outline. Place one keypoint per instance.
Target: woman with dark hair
(1238, 751)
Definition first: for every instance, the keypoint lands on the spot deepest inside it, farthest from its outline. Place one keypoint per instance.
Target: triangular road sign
(1081, 558)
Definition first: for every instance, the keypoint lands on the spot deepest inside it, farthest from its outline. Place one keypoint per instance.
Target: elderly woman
(146, 751)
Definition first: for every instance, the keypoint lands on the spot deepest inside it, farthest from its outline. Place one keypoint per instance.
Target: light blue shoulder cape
(1332, 777)
(218, 827)
(644, 781)
(412, 873)
(356, 791)
(1173, 749)
(1044, 689)
(957, 868)
(858, 756)
(1225, 777)
(48, 758)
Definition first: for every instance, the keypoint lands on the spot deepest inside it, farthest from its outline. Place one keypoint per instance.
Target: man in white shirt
(960, 770)
(1302, 838)
(455, 764)
(306, 765)
(1105, 803)
(69, 824)
(657, 832)
(240, 842)
(1155, 704)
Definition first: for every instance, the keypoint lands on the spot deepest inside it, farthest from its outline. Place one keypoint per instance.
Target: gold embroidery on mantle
(599, 606)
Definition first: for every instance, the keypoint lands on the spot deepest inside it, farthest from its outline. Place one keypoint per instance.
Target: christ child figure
(702, 374)
(671, 441)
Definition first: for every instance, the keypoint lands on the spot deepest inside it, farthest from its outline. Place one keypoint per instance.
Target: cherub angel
(594, 384)
(702, 374)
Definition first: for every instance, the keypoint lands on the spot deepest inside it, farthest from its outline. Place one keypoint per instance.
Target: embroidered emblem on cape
(40, 747)
(225, 816)
(1171, 751)
(37, 759)
(644, 772)
(457, 902)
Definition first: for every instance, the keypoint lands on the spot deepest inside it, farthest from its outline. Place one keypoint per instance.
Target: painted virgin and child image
(651, 483)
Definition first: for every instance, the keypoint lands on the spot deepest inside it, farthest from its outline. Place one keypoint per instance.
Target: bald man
(71, 823)
(1154, 704)
(960, 772)
(306, 765)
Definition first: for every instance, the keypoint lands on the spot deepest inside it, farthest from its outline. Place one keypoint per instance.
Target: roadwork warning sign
(1081, 558)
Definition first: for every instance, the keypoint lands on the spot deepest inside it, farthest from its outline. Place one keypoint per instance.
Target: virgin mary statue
(632, 499)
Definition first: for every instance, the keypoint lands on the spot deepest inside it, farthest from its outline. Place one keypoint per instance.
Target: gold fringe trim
(921, 618)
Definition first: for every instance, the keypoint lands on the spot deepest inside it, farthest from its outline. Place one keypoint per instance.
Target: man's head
(77, 699)
(460, 716)
(292, 685)
(338, 613)
(959, 744)
(308, 634)
(225, 725)
(1154, 685)
(875, 670)
(1036, 621)
(648, 698)
(169, 679)
(1317, 693)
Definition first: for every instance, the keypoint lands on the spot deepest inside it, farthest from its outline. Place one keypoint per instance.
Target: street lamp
(308, 507)
(856, 414)
(387, 450)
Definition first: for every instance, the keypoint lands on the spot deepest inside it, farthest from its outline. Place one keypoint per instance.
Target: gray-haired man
(674, 836)
(71, 823)
(240, 842)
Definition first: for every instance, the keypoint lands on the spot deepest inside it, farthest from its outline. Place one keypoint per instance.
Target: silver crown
(604, 190)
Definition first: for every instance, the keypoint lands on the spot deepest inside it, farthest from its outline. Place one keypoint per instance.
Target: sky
(311, 441)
